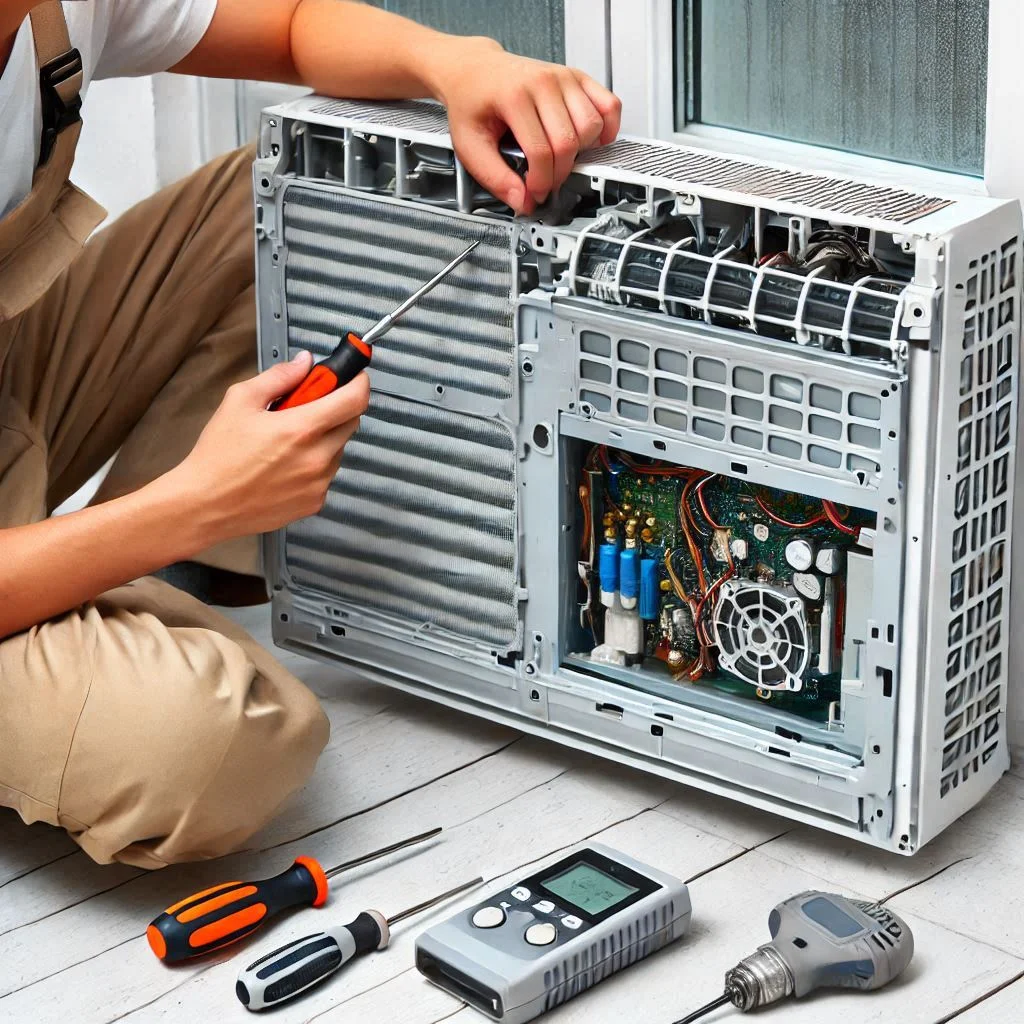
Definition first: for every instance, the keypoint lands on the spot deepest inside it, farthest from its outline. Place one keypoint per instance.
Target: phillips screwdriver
(819, 940)
(299, 965)
(228, 912)
(353, 352)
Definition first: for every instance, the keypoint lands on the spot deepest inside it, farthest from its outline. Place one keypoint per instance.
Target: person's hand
(252, 470)
(554, 113)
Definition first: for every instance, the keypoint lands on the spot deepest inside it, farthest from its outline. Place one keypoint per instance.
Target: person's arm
(251, 471)
(343, 48)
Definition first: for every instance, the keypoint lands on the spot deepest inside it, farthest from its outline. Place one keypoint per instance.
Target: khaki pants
(150, 727)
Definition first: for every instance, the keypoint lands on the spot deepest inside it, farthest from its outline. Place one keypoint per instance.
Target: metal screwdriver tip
(705, 1010)
(384, 851)
(427, 904)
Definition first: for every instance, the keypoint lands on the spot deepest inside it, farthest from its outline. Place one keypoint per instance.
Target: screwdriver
(228, 912)
(353, 352)
(299, 965)
(819, 940)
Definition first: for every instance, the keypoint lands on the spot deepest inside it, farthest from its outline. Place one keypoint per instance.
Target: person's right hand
(252, 470)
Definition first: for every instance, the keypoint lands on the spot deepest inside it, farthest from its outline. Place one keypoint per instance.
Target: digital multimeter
(547, 938)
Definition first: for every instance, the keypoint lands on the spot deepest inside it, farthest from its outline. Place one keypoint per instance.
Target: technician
(131, 714)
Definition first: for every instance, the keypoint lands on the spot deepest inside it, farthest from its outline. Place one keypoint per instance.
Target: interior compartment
(712, 589)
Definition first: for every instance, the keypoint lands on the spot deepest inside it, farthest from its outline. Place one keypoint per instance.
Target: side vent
(979, 586)
(408, 114)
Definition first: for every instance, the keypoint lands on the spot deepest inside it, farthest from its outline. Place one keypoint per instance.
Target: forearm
(57, 564)
(342, 48)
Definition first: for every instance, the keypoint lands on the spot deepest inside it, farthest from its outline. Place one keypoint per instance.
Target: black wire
(722, 1000)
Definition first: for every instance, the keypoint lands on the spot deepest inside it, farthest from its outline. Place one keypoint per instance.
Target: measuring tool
(225, 913)
(353, 352)
(547, 938)
(299, 965)
(819, 940)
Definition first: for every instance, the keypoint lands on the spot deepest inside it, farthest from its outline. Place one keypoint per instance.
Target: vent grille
(834, 427)
(583, 970)
(352, 259)
(982, 509)
(420, 523)
(838, 195)
(408, 114)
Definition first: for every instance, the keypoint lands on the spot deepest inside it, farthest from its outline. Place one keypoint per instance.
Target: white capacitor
(807, 585)
(761, 532)
(800, 554)
(829, 560)
(739, 549)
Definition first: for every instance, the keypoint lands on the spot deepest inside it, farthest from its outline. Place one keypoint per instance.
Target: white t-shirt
(116, 38)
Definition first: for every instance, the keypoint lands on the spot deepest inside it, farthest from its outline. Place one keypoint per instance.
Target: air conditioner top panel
(682, 169)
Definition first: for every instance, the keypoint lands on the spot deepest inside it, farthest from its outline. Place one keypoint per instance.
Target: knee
(196, 779)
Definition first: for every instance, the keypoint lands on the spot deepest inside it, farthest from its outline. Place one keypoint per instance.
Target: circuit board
(750, 581)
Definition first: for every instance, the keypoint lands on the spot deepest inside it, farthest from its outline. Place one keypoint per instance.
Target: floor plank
(1003, 1007)
(26, 848)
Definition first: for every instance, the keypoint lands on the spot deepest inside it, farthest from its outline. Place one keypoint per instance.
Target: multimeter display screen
(586, 888)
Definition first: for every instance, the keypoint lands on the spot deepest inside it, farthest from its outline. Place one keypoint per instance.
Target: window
(903, 80)
(535, 28)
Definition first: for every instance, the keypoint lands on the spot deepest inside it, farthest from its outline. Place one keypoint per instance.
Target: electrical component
(609, 574)
(800, 554)
(649, 603)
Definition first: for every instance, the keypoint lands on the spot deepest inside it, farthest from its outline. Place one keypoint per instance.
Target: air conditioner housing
(646, 366)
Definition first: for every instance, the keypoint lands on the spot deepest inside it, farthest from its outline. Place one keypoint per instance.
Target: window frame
(643, 46)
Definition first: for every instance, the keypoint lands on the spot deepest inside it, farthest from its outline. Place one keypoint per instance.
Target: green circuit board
(706, 529)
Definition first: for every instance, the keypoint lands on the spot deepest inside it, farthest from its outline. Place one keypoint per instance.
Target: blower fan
(762, 636)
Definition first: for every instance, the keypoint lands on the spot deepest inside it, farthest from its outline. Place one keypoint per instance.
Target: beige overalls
(150, 727)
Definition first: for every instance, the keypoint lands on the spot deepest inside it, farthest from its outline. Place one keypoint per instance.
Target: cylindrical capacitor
(649, 591)
(829, 560)
(608, 570)
(629, 577)
(806, 584)
(800, 554)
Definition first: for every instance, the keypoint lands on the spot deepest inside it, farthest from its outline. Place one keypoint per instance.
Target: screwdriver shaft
(385, 324)
(427, 904)
(383, 852)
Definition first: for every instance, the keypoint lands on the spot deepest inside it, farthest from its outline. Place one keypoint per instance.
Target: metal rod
(384, 851)
(427, 904)
(704, 1010)
(385, 324)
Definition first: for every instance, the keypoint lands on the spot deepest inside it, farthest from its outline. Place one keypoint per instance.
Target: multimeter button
(572, 922)
(541, 934)
(544, 906)
(521, 893)
(489, 917)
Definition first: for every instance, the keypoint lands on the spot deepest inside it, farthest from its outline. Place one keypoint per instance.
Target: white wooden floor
(71, 933)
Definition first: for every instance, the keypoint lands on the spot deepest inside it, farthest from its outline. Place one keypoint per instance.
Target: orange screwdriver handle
(227, 913)
(341, 367)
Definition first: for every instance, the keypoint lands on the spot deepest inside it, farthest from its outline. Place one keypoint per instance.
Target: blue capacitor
(608, 568)
(629, 574)
(648, 589)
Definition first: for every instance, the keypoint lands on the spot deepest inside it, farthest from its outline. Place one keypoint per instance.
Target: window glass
(899, 79)
(535, 28)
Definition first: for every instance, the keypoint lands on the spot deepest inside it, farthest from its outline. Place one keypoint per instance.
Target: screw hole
(338, 630)
(439, 389)
(659, 444)
(284, 617)
(277, 316)
(527, 367)
(541, 436)
(876, 749)
(918, 312)
(800, 943)
(275, 353)
(534, 695)
(264, 183)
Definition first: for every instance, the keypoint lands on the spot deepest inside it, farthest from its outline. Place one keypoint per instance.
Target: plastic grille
(728, 404)
(352, 259)
(979, 594)
(408, 114)
(839, 195)
(420, 523)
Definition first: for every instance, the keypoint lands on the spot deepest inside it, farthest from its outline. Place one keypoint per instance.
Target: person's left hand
(554, 112)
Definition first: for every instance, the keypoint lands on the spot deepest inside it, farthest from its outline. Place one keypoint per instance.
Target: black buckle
(58, 115)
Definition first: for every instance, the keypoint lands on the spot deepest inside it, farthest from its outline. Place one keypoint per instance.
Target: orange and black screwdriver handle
(342, 366)
(226, 913)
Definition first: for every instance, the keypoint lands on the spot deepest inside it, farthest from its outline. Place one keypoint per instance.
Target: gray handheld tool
(819, 940)
(551, 936)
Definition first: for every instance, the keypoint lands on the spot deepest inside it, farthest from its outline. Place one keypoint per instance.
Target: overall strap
(60, 74)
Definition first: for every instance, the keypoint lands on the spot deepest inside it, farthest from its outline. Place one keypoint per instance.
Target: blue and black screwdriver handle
(353, 352)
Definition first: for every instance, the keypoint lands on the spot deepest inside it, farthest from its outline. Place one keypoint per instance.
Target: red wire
(785, 522)
(833, 517)
(703, 504)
